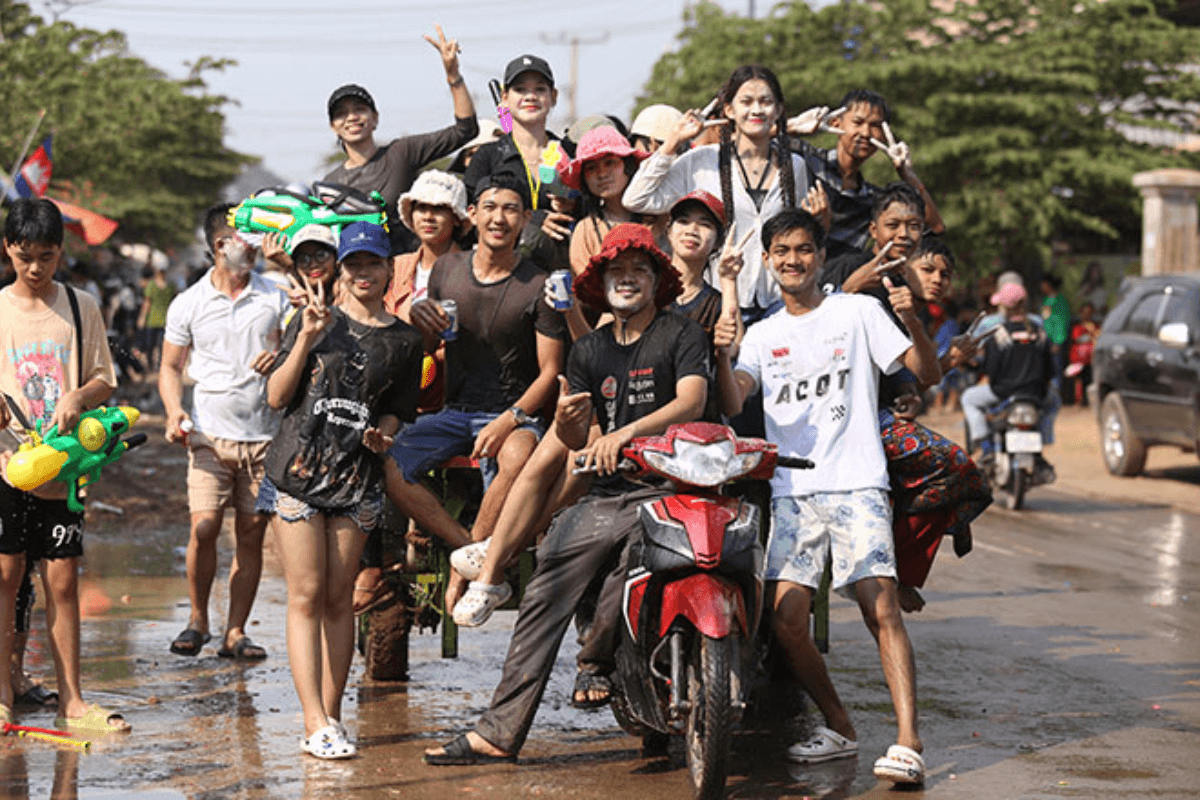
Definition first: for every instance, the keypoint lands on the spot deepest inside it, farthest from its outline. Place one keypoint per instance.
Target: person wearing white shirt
(752, 170)
(818, 363)
(229, 322)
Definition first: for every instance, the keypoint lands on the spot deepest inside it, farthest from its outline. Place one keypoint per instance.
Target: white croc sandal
(328, 743)
(901, 765)
(481, 599)
(823, 745)
(468, 559)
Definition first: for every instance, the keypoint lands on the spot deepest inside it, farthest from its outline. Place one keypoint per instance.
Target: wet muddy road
(1060, 659)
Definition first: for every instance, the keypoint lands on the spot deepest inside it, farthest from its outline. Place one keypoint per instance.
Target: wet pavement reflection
(1071, 621)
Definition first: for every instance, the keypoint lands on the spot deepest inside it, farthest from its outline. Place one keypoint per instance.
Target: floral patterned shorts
(854, 529)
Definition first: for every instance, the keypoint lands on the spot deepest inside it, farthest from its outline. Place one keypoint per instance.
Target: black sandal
(189, 642)
(459, 753)
(587, 682)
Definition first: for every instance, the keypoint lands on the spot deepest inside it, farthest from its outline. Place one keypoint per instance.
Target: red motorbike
(693, 595)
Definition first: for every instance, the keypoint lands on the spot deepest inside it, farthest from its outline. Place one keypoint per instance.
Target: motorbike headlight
(703, 464)
(1023, 415)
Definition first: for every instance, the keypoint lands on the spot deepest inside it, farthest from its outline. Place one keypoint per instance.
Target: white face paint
(629, 283)
(237, 255)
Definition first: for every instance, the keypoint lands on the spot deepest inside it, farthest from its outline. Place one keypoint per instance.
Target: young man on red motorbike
(819, 364)
(639, 374)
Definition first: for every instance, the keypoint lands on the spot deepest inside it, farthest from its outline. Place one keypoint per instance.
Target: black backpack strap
(74, 301)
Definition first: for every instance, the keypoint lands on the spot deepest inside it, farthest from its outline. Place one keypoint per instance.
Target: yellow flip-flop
(95, 720)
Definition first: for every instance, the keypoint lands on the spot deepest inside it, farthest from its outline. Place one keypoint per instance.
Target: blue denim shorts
(366, 514)
(434, 438)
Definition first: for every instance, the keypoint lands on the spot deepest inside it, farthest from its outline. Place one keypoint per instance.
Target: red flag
(87, 225)
(34, 176)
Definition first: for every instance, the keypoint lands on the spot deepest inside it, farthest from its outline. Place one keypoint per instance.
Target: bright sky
(292, 53)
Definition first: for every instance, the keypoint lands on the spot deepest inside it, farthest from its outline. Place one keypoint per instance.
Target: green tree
(152, 145)
(1010, 107)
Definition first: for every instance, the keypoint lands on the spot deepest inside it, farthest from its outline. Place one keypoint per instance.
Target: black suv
(1146, 370)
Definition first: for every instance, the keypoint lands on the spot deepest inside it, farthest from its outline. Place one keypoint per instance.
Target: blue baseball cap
(364, 236)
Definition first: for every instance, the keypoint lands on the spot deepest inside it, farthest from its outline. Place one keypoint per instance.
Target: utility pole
(574, 42)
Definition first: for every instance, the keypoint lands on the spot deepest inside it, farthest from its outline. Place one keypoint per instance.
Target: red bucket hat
(589, 288)
(598, 142)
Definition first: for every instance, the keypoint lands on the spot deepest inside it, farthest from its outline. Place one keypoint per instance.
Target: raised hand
(816, 119)
(900, 298)
(572, 408)
(883, 265)
(898, 152)
(448, 49)
(688, 127)
(816, 202)
(731, 261)
(316, 314)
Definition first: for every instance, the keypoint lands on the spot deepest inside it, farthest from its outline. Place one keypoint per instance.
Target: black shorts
(38, 528)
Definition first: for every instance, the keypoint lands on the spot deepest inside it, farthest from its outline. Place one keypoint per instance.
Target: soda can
(451, 309)
(185, 429)
(560, 289)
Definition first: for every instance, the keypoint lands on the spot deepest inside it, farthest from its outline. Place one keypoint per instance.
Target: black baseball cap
(527, 63)
(350, 90)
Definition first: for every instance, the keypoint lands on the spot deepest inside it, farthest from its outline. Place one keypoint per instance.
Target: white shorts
(855, 528)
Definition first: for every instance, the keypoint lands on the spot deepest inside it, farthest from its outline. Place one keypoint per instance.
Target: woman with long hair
(752, 170)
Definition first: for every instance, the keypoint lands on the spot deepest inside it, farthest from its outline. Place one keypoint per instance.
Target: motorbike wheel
(1015, 497)
(386, 651)
(710, 723)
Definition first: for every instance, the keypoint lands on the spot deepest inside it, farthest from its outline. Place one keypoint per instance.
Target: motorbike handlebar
(624, 465)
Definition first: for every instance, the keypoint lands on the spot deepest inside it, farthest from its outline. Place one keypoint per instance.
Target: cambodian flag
(34, 176)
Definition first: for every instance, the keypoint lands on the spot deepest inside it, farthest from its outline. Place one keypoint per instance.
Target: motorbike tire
(709, 733)
(1015, 497)
(386, 651)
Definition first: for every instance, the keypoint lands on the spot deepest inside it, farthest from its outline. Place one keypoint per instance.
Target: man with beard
(639, 374)
(230, 322)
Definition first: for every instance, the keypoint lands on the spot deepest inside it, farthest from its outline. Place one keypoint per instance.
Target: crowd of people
(721, 268)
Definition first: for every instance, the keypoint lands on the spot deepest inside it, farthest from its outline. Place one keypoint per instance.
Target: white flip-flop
(481, 599)
(823, 745)
(468, 559)
(901, 765)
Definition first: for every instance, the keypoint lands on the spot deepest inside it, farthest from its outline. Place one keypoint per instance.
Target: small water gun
(75, 458)
(502, 112)
(286, 212)
(548, 169)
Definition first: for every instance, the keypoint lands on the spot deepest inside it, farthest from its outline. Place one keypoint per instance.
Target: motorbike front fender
(713, 604)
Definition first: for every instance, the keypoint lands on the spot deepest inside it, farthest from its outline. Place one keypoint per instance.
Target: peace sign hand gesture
(449, 50)
(898, 152)
(815, 120)
(316, 315)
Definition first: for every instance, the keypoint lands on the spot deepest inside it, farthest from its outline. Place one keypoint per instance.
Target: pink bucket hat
(598, 142)
(1009, 295)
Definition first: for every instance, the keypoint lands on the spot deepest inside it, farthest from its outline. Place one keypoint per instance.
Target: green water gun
(286, 212)
(75, 458)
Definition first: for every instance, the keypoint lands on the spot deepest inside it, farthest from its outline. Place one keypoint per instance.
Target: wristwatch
(519, 415)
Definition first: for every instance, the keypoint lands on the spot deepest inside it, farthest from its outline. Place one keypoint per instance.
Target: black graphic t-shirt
(354, 375)
(494, 359)
(629, 381)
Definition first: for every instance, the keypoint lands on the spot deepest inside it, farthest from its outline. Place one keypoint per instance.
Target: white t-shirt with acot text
(819, 373)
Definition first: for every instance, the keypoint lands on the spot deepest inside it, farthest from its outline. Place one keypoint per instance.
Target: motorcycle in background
(1016, 463)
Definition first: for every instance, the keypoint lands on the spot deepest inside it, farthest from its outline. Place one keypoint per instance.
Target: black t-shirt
(394, 166)
(494, 359)
(354, 375)
(629, 381)
(705, 309)
(1023, 365)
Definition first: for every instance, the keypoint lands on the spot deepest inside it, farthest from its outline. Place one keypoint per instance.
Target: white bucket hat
(435, 188)
(656, 122)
